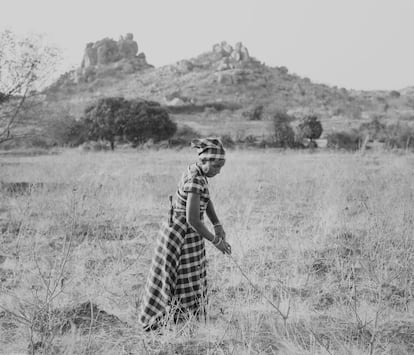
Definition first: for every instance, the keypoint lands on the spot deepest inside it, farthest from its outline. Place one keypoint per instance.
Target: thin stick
(284, 317)
(259, 291)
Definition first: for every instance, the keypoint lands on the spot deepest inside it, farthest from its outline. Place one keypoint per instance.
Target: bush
(375, 129)
(95, 146)
(400, 136)
(227, 141)
(350, 140)
(183, 136)
(395, 94)
(283, 134)
(249, 140)
(207, 108)
(254, 114)
(67, 131)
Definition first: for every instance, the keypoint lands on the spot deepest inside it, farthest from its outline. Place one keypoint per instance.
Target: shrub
(395, 94)
(227, 141)
(250, 140)
(95, 146)
(183, 136)
(283, 134)
(67, 131)
(283, 70)
(254, 114)
(399, 136)
(350, 140)
(375, 129)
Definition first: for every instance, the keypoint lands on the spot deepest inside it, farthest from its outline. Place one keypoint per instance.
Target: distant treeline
(115, 121)
(197, 108)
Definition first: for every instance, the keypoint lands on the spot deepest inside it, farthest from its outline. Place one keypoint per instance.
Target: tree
(147, 120)
(26, 66)
(135, 121)
(106, 119)
(310, 128)
(283, 134)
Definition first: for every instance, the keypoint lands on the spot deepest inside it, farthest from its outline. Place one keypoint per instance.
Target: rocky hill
(216, 87)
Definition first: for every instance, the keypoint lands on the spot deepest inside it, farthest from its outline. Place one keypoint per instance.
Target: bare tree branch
(25, 64)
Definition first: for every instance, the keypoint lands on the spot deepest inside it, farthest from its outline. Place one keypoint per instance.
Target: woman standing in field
(176, 285)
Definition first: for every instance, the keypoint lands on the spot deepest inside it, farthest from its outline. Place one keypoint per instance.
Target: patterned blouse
(193, 180)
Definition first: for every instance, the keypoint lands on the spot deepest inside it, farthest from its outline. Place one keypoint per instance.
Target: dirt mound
(85, 317)
(88, 316)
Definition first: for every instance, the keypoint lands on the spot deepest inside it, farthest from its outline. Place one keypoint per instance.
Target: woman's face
(213, 167)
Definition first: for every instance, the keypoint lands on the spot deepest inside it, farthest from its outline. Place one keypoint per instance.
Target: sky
(356, 44)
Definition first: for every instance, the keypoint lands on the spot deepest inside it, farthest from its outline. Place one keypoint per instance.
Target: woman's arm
(218, 228)
(211, 213)
(193, 218)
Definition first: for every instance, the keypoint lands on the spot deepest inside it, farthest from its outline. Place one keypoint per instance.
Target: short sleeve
(194, 184)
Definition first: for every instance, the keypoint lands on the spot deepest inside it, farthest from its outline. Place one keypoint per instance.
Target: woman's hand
(223, 246)
(219, 231)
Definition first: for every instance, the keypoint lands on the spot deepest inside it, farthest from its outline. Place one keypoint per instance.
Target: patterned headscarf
(209, 148)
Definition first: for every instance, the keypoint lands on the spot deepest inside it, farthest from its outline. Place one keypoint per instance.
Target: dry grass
(327, 237)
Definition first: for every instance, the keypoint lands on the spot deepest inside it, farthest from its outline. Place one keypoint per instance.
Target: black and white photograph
(193, 177)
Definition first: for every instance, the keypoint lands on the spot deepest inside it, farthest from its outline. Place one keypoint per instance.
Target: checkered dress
(177, 279)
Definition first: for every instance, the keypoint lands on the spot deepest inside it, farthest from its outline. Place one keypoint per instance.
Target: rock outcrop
(238, 53)
(108, 54)
(222, 57)
(108, 51)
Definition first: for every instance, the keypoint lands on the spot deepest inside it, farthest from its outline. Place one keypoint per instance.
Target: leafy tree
(26, 66)
(310, 128)
(106, 119)
(135, 121)
(283, 134)
(147, 120)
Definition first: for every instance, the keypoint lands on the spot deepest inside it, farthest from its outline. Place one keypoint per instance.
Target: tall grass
(326, 237)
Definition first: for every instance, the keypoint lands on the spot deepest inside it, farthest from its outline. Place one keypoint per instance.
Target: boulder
(175, 102)
(127, 47)
(106, 55)
(235, 76)
(223, 64)
(240, 53)
(107, 51)
(223, 48)
(89, 56)
(185, 66)
(225, 78)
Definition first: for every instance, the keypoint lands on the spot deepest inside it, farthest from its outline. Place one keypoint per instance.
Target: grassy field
(323, 253)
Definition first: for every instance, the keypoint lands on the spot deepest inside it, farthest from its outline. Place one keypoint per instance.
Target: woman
(176, 285)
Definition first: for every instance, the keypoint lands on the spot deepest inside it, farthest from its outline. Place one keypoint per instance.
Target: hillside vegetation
(228, 76)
